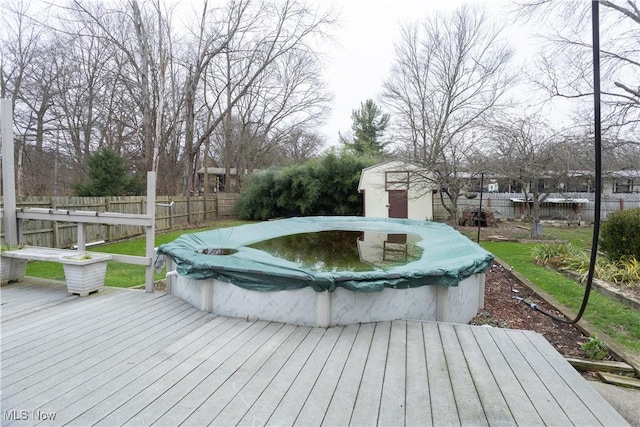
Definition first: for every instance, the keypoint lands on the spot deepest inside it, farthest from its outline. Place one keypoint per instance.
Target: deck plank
(117, 386)
(212, 375)
(85, 363)
(235, 410)
(563, 394)
(464, 389)
(598, 407)
(418, 399)
(230, 386)
(519, 403)
(493, 402)
(43, 322)
(135, 358)
(344, 397)
(316, 405)
(299, 390)
(392, 400)
(445, 408)
(86, 333)
(539, 395)
(367, 404)
(263, 407)
(61, 358)
(153, 402)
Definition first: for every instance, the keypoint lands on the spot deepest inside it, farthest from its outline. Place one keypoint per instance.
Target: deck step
(600, 365)
(620, 380)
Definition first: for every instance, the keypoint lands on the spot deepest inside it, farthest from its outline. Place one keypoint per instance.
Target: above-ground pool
(407, 269)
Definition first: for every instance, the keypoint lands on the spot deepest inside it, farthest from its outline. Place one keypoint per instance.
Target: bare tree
(277, 30)
(565, 65)
(450, 73)
(300, 147)
(29, 72)
(118, 74)
(527, 150)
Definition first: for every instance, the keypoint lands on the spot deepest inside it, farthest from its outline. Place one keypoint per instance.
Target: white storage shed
(390, 190)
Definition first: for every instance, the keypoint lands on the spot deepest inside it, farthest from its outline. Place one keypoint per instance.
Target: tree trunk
(146, 95)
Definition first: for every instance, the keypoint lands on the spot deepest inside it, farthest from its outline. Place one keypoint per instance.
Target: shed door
(398, 204)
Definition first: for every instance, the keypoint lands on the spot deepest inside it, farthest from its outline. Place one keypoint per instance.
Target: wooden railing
(171, 213)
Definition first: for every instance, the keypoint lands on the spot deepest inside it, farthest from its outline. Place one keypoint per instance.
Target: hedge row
(324, 186)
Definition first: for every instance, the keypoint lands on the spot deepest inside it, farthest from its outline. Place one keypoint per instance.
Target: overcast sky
(360, 61)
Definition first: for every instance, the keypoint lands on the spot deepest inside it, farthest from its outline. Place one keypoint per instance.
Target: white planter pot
(18, 269)
(84, 275)
(12, 269)
(5, 270)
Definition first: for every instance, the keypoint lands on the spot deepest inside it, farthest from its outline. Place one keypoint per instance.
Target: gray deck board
(84, 352)
(118, 386)
(247, 395)
(548, 408)
(229, 386)
(418, 396)
(444, 408)
(344, 397)
(520, 405)
(262, 408)
(392, 399)
(494, 404)
(367, 404)
(122, 357)
(471, 411)
(320, 396)
(298, 391)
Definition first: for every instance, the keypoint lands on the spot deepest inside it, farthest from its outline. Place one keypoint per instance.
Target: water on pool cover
(344, 250)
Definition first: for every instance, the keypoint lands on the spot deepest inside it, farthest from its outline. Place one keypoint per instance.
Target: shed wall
(376, 198)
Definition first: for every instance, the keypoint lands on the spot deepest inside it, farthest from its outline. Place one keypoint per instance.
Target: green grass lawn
(614, 319)
(578, 236)
(119, 274)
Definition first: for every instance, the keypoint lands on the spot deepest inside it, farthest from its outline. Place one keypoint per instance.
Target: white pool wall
(306, 307)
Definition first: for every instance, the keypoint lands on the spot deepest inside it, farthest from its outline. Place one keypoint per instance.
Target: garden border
(583, 325)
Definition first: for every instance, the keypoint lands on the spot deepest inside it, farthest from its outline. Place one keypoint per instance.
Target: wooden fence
(503, 208)
(171, 212)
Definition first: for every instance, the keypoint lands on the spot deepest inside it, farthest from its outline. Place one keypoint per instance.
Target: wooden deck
(129, 357)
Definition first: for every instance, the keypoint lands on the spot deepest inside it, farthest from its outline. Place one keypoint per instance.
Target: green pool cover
(447, 256)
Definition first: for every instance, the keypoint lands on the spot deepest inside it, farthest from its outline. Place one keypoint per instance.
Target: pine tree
(369, 125)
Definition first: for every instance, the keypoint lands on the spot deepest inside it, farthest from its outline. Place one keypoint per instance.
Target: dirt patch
(504, 311)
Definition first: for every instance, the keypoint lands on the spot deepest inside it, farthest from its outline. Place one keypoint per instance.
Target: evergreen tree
(107, 176)
(369, 125)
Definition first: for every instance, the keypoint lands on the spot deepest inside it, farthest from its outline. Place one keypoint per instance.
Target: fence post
(8, 172)
(56, 232)
(82, 239)
(150, 230)
(189, 210)
(171, 217)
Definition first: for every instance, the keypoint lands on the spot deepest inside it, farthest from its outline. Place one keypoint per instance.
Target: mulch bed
(503, 310)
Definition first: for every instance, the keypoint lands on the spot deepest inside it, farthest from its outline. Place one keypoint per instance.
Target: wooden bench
(84, 271)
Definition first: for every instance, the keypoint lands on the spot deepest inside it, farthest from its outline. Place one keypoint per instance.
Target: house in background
(216, 180)
(390, 190)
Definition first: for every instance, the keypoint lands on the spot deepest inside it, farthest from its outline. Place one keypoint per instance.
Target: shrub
(258, 199)
(595, 348)
(620, 235)
(563, 255)
(323, 186)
